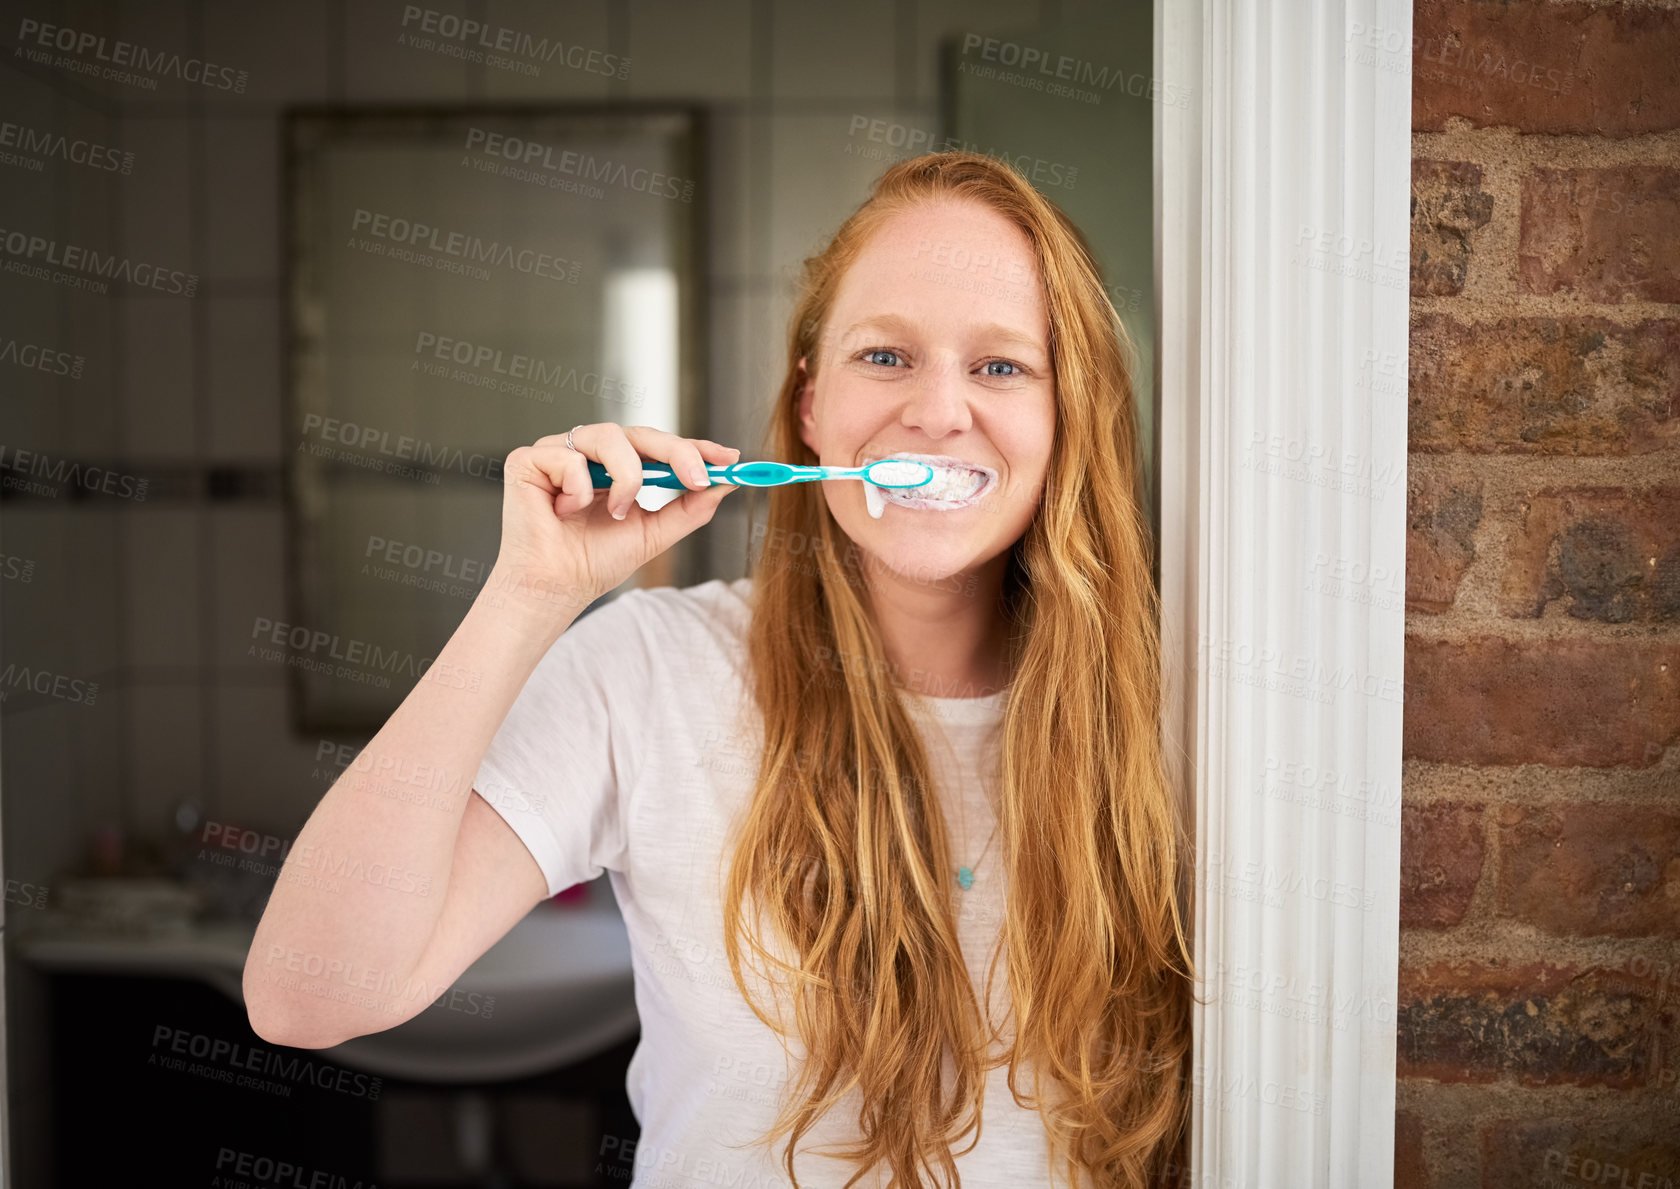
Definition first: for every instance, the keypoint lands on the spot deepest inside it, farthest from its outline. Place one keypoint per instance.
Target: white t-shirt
(626, 752)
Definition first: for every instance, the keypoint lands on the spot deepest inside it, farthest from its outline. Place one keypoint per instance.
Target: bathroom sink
(556, 989)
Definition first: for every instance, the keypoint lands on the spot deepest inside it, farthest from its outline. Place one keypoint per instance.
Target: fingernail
(699, 475)
(620, 513)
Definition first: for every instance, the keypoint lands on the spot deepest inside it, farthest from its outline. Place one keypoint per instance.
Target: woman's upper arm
(493, 883)
(545, 813)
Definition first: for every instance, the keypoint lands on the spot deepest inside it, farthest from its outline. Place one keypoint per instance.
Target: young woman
(887, 820)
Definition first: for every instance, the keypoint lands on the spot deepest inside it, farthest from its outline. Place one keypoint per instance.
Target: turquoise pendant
(965, 877)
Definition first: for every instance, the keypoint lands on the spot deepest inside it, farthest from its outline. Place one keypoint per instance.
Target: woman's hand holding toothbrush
(561, 549)
(564, 544)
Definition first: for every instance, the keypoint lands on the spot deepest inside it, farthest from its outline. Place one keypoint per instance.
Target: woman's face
(937, 346)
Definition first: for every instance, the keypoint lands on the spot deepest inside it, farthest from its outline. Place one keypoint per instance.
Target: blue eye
(1003, 363)
(869, 355)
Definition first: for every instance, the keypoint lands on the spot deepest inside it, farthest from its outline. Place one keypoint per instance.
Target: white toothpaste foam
(901, 473)
(949, 486)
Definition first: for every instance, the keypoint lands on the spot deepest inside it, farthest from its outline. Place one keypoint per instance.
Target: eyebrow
(990, 330)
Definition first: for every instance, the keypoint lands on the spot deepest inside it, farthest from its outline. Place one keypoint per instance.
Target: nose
(938, 403)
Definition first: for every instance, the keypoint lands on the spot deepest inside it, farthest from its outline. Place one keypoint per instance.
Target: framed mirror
(461, 282)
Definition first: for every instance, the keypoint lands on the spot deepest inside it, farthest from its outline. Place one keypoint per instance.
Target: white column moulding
(1282, 203)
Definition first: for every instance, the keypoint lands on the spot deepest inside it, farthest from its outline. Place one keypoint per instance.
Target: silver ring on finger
(569, 433)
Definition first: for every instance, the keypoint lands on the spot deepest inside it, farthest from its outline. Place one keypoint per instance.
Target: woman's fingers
(609, 444)
(621, 450)
(560, 474)
(682, 455)
(576, 488)
(687, 457)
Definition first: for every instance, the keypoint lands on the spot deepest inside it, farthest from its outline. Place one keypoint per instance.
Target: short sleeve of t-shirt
(557, 768)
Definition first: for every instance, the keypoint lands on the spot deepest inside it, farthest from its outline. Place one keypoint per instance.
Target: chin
(909, 550)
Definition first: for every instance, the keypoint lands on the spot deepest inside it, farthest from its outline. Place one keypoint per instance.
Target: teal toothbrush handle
(740, 474)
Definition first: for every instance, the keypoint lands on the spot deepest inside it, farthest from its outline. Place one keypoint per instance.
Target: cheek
(1042, 446)
(1018, 502)
(1029, 462)
(843, 416)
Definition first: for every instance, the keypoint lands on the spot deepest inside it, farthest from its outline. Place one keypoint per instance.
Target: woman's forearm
(365, 881)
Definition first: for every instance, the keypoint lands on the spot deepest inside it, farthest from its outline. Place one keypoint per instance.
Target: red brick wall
(1539, 1009)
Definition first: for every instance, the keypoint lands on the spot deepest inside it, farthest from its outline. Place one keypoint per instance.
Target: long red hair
(844, 849)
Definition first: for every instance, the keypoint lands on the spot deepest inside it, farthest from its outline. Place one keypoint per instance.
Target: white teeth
(951, 486)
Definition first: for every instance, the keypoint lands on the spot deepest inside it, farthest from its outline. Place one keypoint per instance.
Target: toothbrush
(888, 472)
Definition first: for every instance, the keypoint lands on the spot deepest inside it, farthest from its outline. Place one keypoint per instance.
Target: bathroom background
(255, 397)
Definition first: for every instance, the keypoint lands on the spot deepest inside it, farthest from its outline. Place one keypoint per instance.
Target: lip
(895, 495)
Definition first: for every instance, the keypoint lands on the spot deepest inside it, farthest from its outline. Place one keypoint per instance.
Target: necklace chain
(965, 875)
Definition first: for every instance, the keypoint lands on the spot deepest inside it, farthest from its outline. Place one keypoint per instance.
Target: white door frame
(1282, 222)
